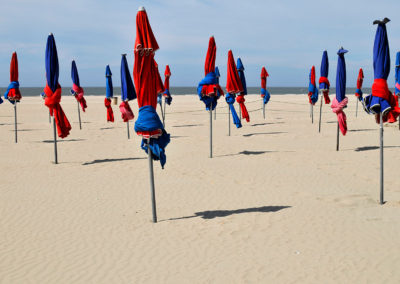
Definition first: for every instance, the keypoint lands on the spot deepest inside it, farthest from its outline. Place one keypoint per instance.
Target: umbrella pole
(215, 113)
(49, 118)
(55, 140)
(320, 115)
(229, 121)
(381, 158)
(357, 107)
(151, 173)
(240, 114)
(312, 113)
(337, 137)
(127, 129)
(79, 116)
(264, 110)
(165, 108)
(211, 139)
(15, 121)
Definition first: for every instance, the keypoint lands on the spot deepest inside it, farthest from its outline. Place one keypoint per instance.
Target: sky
(287, 37)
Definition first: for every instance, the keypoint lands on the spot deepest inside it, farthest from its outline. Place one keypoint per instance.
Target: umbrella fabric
(145, 73)
(323, 79)
(52, 90)
(166, 94)
(233, 86)
(340, 101)
(13, 94)
(240, 98)
(397, 75)
(264, 92)
(127, 91)
(381, 99)
(360, 79)
(77, 90)
(209, 90)
(109, 95)
(160, 86)
(312, 88)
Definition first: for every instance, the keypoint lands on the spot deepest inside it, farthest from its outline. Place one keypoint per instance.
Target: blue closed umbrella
(240, 98)
(128, 92)
(74, 74)
(109, 84)
(397, 74)
(341, 76)
(324, 84)
(217, 74)
(51, 63)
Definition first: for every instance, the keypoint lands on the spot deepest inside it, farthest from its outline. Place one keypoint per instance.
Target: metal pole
(215, 113)
(320, 115)
(263, 107)
(381, 160)
(240, 113)
(153, 194)
(79, 115)
(357, 108)
(312, 113)
(211, 140)
(229, 121)
(127, 129)
(49, 118)
(165, 108)
(15, 121)
(55, 140)
(337, 137)
(162, 113)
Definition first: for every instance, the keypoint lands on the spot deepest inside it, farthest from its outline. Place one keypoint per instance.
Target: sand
(276, 204)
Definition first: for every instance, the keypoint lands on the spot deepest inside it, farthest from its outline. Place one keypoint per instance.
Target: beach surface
(276, 204)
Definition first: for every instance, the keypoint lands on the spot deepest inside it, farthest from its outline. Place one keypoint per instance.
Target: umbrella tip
(123, 54)
(141, 8)
(50, 34)
(384, 21)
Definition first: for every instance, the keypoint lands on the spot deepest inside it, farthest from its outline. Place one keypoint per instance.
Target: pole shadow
(187, 125)
(263, 133)
(368, 148)
(63, 140)
(111, 160)
(225, 213)
(245, 152)
(361, 130)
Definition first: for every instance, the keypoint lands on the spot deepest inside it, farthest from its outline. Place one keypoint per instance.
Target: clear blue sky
(288, 37)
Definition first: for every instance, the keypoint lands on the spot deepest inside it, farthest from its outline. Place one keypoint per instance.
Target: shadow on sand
(111, 160)
(245, 152)
(267, 123)
(225, 213)
(361, 130)
(264, 133)
(187, 125)
(368, 148)
(63, 140)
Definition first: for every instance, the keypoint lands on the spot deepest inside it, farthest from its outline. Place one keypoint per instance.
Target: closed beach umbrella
(240, 98)
(359, 93)
(397, 80)
(148, 124)
(324, 84)
(13, 95)
(167, 94)
(381, 103)
(312, 92)
(52, 93)
(109, 95)
(160, 95)
(264, 92)
(77, 91)
(209, 90)
(127, 93)
(340, 101)
(233, 86)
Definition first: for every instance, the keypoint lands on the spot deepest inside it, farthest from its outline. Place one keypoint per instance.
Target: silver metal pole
(240, 113)
(215, 113)
(127, 129)
(211, 140)
(49, 118)
(320, 115)
(337, 137)
(79, 115)
(15, 121)
(381, 160)
(263, 109)
(312, 113)
(229, 121)
(55, 140)
(165, 108)
(357, 107)
(151, 173)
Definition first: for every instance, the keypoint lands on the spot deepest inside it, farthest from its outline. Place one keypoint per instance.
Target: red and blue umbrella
(340, 101)
(360, 80)
(13, 94)
(145, 74)
(167, 94)
(381, 100)
(323, 79)
(397, 75)
(312, 88)
(209, 90)
(233, 87)
(109, 94)
(52, 91)
(127, 91)
(240, 98)
(77, 90)
(264, 92)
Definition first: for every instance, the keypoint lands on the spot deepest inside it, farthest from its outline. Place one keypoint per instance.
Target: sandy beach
(276, 204)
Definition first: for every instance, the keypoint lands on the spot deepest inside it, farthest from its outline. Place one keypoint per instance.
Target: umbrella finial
(383, 22)
(123, 54)
(141, 8)
(50, 34)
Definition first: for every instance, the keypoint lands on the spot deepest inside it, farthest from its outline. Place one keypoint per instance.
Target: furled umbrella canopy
(312, 88)
(240, 98)
(381, 99)
(397, 75)
(340, 101)
(77, 90)
(360, 80)
(13, 94)
(161, 89)
(217, 74)
(233, 86)
(167, 94)
(148, 125)
(209, 90)
(264, 92)
(109, 95)
(52, 91)
(323, 79)
(127, 91)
